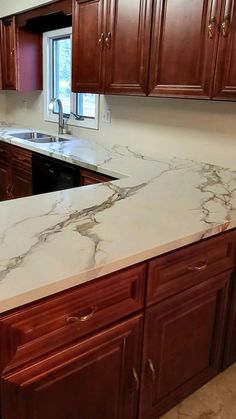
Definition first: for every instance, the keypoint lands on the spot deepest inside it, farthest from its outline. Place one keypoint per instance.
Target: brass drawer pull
(22, 158)
(151, 369)
(108, 40)
(201, 267)
(136, 379)
(212, 28)
(101, 40)
(73, 319)
(225, 26)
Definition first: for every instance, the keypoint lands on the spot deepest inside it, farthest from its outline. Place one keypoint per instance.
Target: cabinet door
(183, 344)
(88, 177)
(21, 183)
(88, 46)
(225, 80)
(5, 181)
(184, 46)
(127, 46)
(230, 347)
(97, 378)
(8, 48)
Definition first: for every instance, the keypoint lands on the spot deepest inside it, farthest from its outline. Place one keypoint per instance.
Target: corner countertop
(55, 241)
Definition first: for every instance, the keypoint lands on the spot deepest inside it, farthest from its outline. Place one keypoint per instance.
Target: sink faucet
(60, 108)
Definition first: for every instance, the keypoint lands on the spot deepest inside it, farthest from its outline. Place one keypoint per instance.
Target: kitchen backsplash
(195, 129)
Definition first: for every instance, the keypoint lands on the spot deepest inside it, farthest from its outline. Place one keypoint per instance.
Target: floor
(216, 400)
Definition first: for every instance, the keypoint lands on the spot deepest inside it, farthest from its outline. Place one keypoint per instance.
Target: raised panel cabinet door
(183, 47)
(97, 378)
(127, 44)
(21, 183)
(5, 181)
(230, 347)
(88, 46)
(225, 79)
(183, 344)
(8, 50)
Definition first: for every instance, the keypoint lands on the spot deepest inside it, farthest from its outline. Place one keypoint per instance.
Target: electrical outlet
(106, 116)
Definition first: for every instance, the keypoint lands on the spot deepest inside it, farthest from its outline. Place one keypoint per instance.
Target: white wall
(200, 130)
(12, 6)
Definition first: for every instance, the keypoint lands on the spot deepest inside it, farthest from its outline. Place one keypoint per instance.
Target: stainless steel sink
(38, 137)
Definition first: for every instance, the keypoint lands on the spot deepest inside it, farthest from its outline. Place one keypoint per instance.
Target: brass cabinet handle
(136, 379)
(201, 267)
(225, 25)
(21, 158)
(12, 53)
(212, 28)
(85, 318)
(101, 40)
(8, 190)
(108, 40)
(151, 369)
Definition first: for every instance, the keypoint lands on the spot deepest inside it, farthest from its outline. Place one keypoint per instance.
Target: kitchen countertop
(54, 241)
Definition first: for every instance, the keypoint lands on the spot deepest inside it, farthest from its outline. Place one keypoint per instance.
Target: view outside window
(85, 102)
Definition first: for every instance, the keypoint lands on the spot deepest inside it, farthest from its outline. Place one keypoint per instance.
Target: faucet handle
(77, 117)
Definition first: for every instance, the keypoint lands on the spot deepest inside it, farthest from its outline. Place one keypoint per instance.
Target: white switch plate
(106, 116)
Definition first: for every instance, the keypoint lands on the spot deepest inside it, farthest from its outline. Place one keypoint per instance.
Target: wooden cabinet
(230, 347)
(111, 46)
(21, 57)
(15, 172)
(183, 344)
(88, 177)
(225, 76)
(193, 49)
(5, 172)
(183, 48)
(95, 378)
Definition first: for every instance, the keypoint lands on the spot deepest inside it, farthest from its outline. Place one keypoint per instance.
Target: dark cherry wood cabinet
(230, 347)
(225, 76)
(21, 57)
(15, 172)
(183, 344)
(95, 378)
(183, 48)
(5, 172)
(88, 177)
(111, 41)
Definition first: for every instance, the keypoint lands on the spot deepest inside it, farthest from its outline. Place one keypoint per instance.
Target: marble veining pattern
(54, 241)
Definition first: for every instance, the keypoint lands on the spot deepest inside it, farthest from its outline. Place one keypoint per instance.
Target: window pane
(62, 72)
(86, 105)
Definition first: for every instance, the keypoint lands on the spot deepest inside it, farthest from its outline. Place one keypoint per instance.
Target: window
(57, 82)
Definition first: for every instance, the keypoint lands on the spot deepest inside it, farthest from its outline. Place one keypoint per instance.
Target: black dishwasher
(49, 174)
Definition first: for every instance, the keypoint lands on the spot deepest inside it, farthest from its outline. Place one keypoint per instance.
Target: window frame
(48, 75)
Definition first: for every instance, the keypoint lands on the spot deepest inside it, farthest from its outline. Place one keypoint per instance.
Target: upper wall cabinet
(111, 41)
(193, 49)
(225, 78)
(20, 57)
(184, 47)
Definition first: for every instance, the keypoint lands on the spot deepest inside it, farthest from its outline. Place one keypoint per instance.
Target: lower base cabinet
(183, 345)
(97, 378)
(230, 347)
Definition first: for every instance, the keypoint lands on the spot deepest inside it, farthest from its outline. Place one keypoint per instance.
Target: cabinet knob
(225, 26)
(12, 53)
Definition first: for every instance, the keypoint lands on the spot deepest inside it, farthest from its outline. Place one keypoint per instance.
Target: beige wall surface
(195, 129)
(12, 6)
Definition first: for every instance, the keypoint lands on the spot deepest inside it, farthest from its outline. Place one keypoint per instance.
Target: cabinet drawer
(4, 152)
(181, 269)
(21, 158)
(88, 177)
(53, 322)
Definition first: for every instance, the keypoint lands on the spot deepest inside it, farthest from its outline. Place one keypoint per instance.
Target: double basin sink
(38, 137)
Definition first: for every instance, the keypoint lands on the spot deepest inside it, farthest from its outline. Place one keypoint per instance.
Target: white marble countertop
(54, 241)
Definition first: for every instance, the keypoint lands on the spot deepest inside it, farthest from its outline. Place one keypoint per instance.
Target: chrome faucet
(60, 115)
